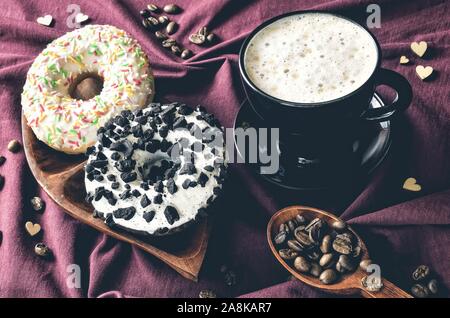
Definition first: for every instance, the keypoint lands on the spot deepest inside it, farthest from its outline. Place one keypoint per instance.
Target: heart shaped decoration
(411, 185)
(32, 229)
(81, 17)
(424, 72)
(404, 60)
(419, 48)
(45, 20)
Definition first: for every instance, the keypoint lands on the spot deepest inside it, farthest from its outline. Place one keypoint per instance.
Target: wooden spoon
(349, 283)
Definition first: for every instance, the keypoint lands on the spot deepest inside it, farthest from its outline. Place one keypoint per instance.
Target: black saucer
(372, 149)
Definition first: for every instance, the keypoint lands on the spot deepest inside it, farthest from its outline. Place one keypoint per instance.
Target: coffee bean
(300, 219)
(171, 28)
(291, 225)
(343, 244)
(280, 238)
(316, 232)
(207, 293)
(153, 21)
(295, 245)
(339, 226)
(171, 8)
(185, 54)
(433, 286)
(2, 160)
(302, 237)
(287, 254)
(421, 272)
(325, 246)
(152, 7)
(196, 38)
(211, 38)
(326, 260)
(203, 31)
(284, 228)
(14, 146)
(38, 204)
(420, 291)
(144, 13)
(346, 263)
(365, 263)
(313, 223)
(146, 24)
(168, 43)
(42, 250)
(302, 264)
(175, 49)
(315, 270)
(161, 36)
(357, 250)
(163, 20)
(340, 268)
(328, 276)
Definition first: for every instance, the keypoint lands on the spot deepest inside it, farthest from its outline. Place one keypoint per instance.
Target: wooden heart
(62, 177)
(45, 20)
(411, 185)
(404, 60)
(424, 72)
(32, 229)
(419, 48)
(81, 17)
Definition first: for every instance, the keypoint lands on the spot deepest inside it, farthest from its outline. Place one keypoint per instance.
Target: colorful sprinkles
(68, 124)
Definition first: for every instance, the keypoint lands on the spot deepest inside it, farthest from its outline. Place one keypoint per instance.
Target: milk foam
(310, 58)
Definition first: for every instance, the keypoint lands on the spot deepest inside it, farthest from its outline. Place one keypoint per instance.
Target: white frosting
(310, 58)
(70, 125)
(186, 201)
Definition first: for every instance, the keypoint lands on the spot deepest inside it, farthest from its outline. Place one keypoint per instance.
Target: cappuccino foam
(310, 58)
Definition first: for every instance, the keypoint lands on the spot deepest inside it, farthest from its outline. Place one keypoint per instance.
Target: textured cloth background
(402, 229)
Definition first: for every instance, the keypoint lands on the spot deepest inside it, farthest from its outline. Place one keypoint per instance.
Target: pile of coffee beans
(425, 283)
(202, 36)
(316, 248)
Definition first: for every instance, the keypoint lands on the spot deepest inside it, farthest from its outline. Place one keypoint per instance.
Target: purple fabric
(401, 229)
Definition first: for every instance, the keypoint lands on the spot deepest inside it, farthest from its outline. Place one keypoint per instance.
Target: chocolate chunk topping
(168, 110)
(99, 163)
(165, 145)
(148, 216)
(98, 178)
(124, 213)
(179, 122)
(111, 177)
(89, 168)
(128, 176)
(186, 183)
(144, 186)
(184, 110)
(104, 169)
(152, 146)
(125, 165)
(159, 186)
(104, 140)
(112, 201)
(145, 201)
(136, 193)
(171, 214)
(90, 150)
(193, 184)
(158, 199)
(202, 179)
(137, 131)
(188, 168)
(115, 185)
(209, 168)
(125, 194)
(163, 131)
(171, 186)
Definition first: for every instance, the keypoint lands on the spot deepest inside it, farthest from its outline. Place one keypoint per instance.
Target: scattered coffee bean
(346, 263)
(196, 38)
(175, 50)
(325, 246)
(280, 238)
(2, 160)
(171, 28)
(38, 204)
(420, 291)
(302, 264)
(284, 228)
(163, 20)
(161, 36)
(302, 237)
(211, 38)
(433, 286)
(421, 272)
(146, 24)
(203, 31)
(144, 13)
(291, 225)
(168, 43)
(300, 219)
(42, 250)
(207, 293)
(295, 245)
(153, 21)
(343, 244)
(171, 8)
(185, 54)
(328, 276)
(287, 254)
(14, 146)
(152, 7)
(339, 226)
(340, 268)
(365, 263)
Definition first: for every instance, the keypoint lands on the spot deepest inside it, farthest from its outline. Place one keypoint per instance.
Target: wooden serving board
(62, 177)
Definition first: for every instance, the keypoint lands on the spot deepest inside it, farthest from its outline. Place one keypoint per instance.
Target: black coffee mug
(318, 129)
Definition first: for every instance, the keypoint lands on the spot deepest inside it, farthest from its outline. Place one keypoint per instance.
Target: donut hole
(86, 86)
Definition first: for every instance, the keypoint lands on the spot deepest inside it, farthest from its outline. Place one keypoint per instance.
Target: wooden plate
(62, 177)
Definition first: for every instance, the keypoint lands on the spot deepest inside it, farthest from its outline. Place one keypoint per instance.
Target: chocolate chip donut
(155, 170)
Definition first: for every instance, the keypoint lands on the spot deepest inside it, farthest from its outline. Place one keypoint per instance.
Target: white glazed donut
(153, 171)
(70, 125)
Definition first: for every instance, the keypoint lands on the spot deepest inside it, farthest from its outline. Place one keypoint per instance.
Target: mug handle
(402, 99)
